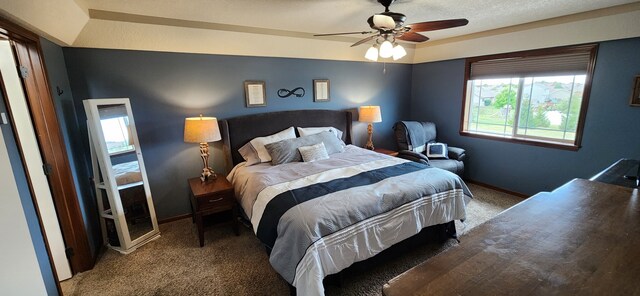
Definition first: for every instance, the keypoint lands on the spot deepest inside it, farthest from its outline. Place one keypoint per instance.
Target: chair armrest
(413, 156)
(456, 153)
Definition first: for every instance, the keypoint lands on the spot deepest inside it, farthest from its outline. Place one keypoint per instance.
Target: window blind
(112, 111)
(559, 64)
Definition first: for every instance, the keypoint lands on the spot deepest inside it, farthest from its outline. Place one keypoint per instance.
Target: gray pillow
(287, 150)
(313, 153)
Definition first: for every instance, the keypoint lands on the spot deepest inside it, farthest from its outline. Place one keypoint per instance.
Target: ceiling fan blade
(437, 25)
(382, 21)
(345, 33)
(365, 40)
(413, 36)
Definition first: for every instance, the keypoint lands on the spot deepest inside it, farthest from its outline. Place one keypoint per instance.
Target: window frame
(591, 48)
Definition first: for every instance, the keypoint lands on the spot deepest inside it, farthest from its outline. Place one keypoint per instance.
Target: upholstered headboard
(238, 131)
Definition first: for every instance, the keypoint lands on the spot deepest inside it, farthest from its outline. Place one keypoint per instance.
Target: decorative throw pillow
(437, 150)
(287, 150)
(313, 152)
(254, 152)
(307, 131)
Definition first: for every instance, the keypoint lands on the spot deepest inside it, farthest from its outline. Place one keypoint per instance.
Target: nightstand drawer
(223, 200)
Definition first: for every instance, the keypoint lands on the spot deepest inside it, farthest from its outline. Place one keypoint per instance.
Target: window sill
(122, 152)
(538, 143)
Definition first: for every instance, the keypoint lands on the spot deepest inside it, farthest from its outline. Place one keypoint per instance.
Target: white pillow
(254, 152)
(307, 131)
(313, 152)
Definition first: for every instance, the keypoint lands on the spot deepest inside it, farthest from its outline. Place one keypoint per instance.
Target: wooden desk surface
(581, 239)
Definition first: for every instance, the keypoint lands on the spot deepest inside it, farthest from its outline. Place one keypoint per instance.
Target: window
(116, 135)
(114, 121)
(536, 97)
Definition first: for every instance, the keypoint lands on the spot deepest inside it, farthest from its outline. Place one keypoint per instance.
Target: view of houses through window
(545, 108)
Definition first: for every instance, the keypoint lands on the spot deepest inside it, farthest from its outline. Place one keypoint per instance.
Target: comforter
(318, 218)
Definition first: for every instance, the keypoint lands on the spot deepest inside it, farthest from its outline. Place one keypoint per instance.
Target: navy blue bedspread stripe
(268, 227)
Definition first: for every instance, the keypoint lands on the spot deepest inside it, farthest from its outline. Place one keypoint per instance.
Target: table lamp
(369, 114)
(202, 130)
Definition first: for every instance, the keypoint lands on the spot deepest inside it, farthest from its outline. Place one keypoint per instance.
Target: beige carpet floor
(238, 265)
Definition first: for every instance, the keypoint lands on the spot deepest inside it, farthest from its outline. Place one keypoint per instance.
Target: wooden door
(28, 55)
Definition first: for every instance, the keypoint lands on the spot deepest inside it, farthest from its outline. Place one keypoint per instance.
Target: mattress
(320, 217)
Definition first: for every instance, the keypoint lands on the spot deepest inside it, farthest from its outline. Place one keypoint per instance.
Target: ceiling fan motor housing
(398, 18)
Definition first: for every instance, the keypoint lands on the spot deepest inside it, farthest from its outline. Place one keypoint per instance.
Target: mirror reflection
(136, 211)
(116, 129)
(117, 135)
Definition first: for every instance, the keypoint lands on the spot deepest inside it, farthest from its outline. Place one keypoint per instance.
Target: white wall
(26, 134)
(611, 25)
(137, 36)
(59, 20)
(19, 269)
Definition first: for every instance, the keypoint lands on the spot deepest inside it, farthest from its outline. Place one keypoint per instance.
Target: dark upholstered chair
(456, 156)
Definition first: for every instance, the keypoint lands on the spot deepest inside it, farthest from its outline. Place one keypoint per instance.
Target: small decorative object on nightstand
(213, 196)
(369, 114)
(386, 151)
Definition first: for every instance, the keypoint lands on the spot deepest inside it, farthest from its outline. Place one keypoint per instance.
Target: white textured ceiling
(326, 16)
(284, 28)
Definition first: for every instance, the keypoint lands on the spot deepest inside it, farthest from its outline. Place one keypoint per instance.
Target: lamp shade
(369, 114)
(201, 130)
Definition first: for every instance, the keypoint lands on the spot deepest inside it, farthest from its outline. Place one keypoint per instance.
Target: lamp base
(369, 144)
(207, 172)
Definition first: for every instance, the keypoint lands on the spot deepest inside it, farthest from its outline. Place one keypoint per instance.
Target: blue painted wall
(164, 88)
(28, 206)
(612, 129)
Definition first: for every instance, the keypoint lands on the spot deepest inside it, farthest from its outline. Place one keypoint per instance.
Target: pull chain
(384, 68)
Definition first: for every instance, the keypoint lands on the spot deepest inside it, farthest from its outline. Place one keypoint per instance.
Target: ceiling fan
(389, 26)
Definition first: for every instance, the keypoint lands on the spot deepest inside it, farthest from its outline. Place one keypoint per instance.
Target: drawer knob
(217, 199)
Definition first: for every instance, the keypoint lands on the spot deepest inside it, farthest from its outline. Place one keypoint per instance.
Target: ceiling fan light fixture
(386, 49)
(398, 52)
(390, 26)
(372, 54)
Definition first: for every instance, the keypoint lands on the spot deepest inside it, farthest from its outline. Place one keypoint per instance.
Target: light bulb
(398, 52)
(386, 49)
(372, 54)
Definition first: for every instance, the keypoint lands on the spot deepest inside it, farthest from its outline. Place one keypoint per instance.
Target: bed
(127, 174)
(318, 218)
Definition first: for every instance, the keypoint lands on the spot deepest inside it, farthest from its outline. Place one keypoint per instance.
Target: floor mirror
(127, 215)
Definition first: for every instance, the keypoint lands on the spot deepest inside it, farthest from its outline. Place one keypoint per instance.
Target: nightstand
(212, 197)
(386, 151)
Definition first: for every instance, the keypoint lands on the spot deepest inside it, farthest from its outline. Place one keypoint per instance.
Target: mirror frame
(101, 154)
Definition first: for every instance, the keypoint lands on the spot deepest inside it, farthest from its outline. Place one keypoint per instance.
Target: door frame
(28, 53)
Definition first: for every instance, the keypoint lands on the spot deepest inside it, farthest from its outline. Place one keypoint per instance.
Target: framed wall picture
(635, 97)
(321, 90)
(255, 93)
